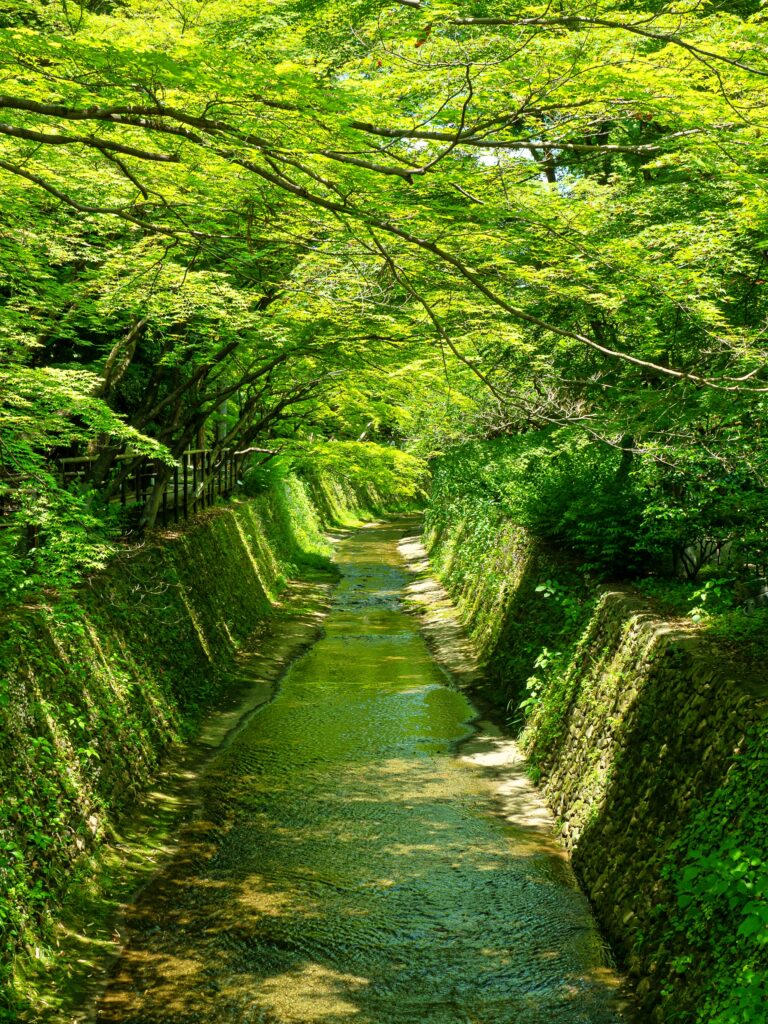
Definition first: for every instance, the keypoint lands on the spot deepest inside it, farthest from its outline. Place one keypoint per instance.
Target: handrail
(194, 482)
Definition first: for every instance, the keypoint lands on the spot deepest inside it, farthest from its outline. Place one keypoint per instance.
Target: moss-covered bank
(651, 747)
(96, 688)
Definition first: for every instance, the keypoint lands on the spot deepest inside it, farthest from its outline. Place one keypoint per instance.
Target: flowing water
(349, 866)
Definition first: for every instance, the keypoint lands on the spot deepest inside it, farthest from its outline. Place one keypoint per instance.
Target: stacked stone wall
(639, 732)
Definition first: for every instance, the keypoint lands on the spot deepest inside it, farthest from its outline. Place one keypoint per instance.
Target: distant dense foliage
(261, 225)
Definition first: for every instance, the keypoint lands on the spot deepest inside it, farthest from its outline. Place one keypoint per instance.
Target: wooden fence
(197, 479)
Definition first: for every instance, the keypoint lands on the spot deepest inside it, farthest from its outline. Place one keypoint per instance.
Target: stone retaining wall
(95, 688)
(653, 725)
(637, 738)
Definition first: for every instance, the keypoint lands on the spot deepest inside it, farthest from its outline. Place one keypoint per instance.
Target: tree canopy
(263, 224)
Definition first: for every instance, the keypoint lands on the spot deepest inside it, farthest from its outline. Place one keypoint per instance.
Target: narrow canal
(350, 862)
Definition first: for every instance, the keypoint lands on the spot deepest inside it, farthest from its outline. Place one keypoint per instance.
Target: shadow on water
(346, 865)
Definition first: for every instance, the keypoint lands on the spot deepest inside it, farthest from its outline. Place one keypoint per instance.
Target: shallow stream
(351, 861)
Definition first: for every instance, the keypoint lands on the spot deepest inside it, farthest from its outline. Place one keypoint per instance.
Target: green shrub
(556, 484)
(622, 514)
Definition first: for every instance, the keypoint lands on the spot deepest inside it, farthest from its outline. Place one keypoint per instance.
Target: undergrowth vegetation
(620, 515)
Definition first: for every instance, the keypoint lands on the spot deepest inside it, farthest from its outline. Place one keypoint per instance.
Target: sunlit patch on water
(348, 866)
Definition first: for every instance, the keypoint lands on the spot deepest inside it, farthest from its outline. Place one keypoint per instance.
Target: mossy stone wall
(94, 689)
(645, 740)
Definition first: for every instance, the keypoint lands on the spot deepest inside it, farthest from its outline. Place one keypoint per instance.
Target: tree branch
(579, 22)
(49, 139)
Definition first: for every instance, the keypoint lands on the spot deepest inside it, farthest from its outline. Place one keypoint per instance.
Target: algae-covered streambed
(350, 861)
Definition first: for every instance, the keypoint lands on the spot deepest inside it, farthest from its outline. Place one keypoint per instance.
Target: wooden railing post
(164, 512)
(200, 472)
